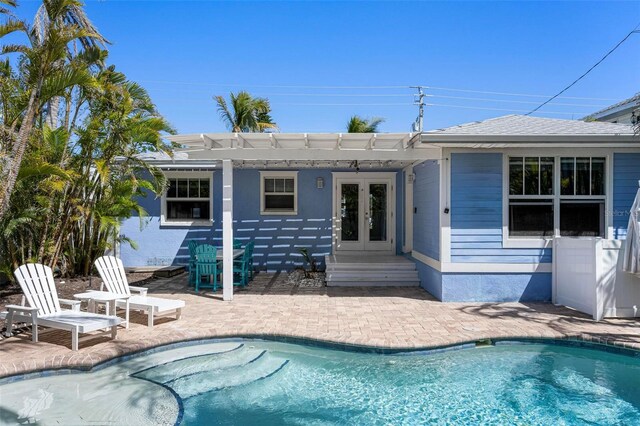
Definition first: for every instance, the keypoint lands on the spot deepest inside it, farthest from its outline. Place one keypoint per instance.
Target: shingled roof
(522, 125)
(628, 104)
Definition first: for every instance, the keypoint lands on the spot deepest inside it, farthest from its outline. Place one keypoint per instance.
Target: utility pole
(419, 100)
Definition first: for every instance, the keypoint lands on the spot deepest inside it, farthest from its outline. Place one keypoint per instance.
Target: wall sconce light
(320, 183)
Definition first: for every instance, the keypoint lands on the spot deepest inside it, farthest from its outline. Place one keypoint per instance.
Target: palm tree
(247, 114)
(47, 74)
(73, 14)
(358, 124)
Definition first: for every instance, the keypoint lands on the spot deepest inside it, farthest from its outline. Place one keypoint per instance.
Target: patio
(383, 317)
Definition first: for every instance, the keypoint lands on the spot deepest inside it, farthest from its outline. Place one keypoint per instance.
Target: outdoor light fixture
(320, 183)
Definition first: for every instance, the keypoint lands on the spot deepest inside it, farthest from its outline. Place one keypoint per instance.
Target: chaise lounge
(44, 308)
(114, 280)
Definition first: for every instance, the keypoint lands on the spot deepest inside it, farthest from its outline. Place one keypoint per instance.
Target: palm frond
(57, 83)
(44, 169)
(12, 26)
(225, 114)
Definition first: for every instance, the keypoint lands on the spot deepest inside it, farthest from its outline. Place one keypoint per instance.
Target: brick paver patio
(405, 318)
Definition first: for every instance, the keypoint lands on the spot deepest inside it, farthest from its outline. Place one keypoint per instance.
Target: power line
(404, 95)
(270, 86)
(512, 101)
(486, 92)
(429, 105)
(342, 104)
(634, 31)
(505, 109)
(319, 87)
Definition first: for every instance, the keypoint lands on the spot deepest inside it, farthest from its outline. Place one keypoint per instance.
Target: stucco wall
(278, 239)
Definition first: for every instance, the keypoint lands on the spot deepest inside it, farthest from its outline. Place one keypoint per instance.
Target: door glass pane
(515, 176)
(597, 176)
(378, 212)
(566, 176)
(582, 176)
(349, 211)
(531, 176)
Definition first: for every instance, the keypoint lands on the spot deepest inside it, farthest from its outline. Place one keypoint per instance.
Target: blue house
(468, 212)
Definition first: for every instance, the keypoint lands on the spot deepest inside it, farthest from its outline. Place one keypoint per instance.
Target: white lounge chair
(114, 280)
(43, 309)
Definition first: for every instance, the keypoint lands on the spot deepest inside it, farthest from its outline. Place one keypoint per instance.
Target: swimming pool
(263, 382)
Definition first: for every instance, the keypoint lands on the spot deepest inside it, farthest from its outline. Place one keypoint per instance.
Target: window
(187, 200)
(531, 196)
(278, 193)
(582, 196)
(551, 196)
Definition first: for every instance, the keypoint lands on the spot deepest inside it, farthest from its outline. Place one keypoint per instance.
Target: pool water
(258, 382)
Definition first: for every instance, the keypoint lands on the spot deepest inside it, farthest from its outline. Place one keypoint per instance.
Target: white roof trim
(304, 146)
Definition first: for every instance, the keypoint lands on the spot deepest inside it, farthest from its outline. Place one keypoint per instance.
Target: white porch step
(352, 283)
(355, 270)
(410, 266)
(373, 275)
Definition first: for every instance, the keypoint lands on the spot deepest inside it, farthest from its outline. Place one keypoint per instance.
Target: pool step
(185, 367)
(261, 368)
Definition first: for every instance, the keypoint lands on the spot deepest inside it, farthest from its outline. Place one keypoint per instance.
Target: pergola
(289, 150)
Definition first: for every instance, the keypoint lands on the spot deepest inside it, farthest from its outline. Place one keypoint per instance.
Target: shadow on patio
(560, 319)
(277, 284)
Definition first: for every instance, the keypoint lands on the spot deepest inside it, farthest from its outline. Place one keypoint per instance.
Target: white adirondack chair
(114, 280)
(43, 309)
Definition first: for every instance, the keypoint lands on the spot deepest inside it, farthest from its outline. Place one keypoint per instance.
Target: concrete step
(373, 275)
(371, 266)
(352, 283)
(370, 270)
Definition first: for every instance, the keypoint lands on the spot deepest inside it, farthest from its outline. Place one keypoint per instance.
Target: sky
(319, 63)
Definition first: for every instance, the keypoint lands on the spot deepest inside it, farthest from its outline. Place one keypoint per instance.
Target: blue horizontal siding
(626, 173)
(426, 200)
(476, 213)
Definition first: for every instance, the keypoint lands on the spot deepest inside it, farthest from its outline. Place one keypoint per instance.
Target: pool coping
(569, 341)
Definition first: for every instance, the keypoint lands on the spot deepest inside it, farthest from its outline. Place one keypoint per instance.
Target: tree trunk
(52, 112)
(8, 180)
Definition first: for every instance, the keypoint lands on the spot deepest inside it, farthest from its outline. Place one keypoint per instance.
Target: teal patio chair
(241, 267)
(237, 244)
(207, 265)
(192, 261)
(249, 248)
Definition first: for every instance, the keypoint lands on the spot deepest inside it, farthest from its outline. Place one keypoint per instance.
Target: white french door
(364, 212)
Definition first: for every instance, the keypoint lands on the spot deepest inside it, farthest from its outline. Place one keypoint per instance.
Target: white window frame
(282, 175)
(543, 242)
(164, 221)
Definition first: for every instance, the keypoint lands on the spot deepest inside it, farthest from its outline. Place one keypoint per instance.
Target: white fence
(588, 277)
